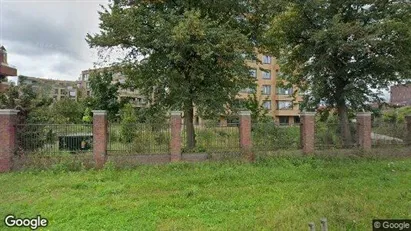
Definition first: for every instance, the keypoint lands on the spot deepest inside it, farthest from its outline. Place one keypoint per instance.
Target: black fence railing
(388, 134)
(329, 135)
(273, 136)
(213, 138)
(138, 138)
(45, 139)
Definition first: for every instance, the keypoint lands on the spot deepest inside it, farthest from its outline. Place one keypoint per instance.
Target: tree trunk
(189, 126)
(344, 125)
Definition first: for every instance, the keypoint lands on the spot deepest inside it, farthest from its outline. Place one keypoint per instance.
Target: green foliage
(192, 50)
(67, 111)
(128, 123)
(105, 94)
(87, 117)
(269, 136)
(339, 52)
(252, 103)
(396, 115)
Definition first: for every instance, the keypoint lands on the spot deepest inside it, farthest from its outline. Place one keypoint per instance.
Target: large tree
(341, 52)
(104, 92)
(185, 54)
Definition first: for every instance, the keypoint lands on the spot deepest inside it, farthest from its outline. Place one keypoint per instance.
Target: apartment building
(280, 102)
(5, 70)
(133, 95)
(56, 89)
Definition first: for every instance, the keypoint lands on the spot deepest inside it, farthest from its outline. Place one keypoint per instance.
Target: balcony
(6, 70)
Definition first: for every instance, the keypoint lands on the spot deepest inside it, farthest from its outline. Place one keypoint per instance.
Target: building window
(253, 73)
(266, 90)
(284, 91)
(296, 119)
(284, 105)
(56, 91)
(267, 104)
(266, 59)
(266, 74)
(283, 119)
(85, 77)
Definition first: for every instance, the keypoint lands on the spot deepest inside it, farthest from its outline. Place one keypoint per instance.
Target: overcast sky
(46, 38)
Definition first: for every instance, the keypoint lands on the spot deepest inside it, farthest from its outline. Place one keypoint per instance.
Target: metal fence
(329, 135)
(138, 138)
(388, 134)
(213, 138)
(271, 136)
(44, 139)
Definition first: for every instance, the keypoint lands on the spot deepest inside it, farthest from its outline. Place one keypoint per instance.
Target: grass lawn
(283, 193)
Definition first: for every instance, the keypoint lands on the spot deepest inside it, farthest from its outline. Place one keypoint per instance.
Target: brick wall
(100, 137)
(364, 130)
(245, 135)
(307, 121)
(175, 141)
(8, 138)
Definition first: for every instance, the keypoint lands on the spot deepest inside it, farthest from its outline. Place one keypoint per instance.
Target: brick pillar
(8, 120)
(100, 137)
(307, 123)
(175, 141)
(364, 130)
(408, 132)
(245, 135)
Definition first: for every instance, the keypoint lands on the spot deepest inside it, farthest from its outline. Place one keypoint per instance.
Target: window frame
(266, 87)
(266, 59)
(285, 108)
(263, 74)
(270, 104)
(278, 92)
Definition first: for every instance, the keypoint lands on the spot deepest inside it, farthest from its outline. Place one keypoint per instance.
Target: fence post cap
(367, 113)
(99, 112)
(244, 113)
(307, 113)
(175, 113)
(8, 112)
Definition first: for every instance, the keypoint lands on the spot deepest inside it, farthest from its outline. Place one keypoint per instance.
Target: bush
(272, 135)
(128, 124)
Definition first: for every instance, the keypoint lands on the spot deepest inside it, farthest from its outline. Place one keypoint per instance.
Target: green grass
(283, 193)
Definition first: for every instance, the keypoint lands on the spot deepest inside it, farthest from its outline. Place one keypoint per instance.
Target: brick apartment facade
(56, 89)
(400, 95)
(5, 70)
(136, 99)
(279, 102)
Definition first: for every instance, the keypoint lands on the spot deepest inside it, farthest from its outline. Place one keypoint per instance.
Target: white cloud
(46, 38)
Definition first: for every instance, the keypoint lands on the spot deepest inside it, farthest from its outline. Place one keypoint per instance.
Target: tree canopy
(342, 52)
(104, 93)
(183, 54)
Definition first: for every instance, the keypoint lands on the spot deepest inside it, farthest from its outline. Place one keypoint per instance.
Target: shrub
(128, 124)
